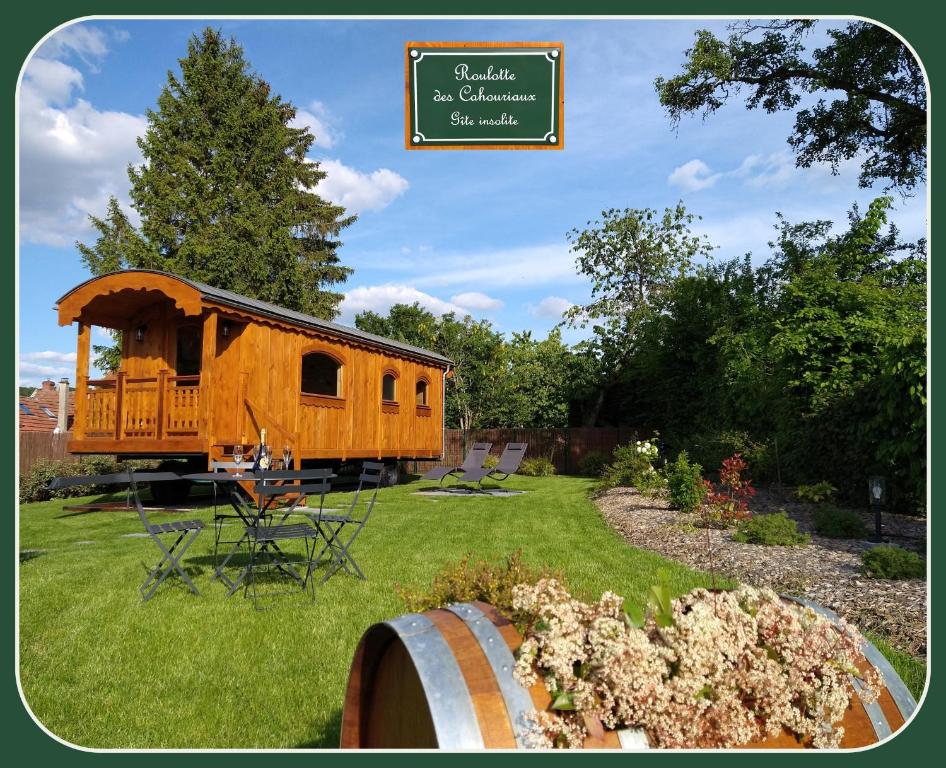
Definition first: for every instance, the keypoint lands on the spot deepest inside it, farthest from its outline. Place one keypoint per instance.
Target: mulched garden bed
(827, 571)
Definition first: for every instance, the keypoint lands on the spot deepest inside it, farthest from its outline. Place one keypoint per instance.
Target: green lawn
(101, 669)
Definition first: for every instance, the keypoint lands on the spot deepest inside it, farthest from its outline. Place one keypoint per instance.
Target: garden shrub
(537, 467)
(592, 464)
(728, 502)
(888, 562)
(475, 580)
(838, 523)
(710, 449)
(633, 465)
(33, 484)
(817, 493)
(685, 484)
(774, 530)
(492, 461)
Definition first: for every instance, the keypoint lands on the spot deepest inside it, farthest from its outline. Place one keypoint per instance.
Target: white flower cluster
(647, 449)
(734, 667)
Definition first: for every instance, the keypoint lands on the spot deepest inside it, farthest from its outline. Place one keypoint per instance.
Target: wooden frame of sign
(411, 137)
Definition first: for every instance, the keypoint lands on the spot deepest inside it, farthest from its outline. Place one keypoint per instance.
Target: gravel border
(826, 571)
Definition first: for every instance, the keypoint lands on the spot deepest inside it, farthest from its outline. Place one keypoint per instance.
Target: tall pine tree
(225, 194)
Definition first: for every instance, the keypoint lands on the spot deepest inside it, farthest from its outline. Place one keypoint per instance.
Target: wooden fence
(564, 447)
(43, 445)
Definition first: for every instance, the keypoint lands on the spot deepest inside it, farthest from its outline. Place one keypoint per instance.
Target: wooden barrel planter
(444, 679)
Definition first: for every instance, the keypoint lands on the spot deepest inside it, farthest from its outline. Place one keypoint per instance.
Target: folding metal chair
(474, 460)
(340, 531)
(221, 518)
(262, 538)
(311, 481)
(185, 530)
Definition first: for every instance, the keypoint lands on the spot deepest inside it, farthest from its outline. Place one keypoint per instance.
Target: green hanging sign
(484, 96)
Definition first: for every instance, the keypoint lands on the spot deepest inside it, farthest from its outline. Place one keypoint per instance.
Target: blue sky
(478, 232)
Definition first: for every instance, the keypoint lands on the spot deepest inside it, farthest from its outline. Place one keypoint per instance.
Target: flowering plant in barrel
(710, 669)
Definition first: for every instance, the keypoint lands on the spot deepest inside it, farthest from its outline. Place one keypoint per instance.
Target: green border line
(27, 24)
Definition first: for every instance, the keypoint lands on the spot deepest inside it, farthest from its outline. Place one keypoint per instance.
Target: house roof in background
(32, 409)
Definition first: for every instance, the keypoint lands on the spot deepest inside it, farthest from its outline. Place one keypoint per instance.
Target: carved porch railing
(153, 408)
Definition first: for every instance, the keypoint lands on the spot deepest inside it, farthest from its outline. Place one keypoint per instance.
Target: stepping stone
(132, 536)
(86, 542)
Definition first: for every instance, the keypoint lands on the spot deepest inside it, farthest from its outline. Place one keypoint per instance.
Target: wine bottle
(264, 452)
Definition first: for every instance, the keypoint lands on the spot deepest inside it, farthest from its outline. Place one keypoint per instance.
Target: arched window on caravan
(389, 387)
(422, 392)
(321, 375)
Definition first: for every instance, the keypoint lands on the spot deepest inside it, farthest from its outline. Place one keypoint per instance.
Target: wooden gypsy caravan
(204, 368)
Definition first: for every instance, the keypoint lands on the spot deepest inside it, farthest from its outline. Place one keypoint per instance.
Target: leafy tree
(409, 323)
(494, 383)
(225, 193)
(108, 357)
(589, 382)
(539, 382)
(478, 353)
(851, 339)
(818, 355)
(631, 256)
(698, 361)
(119, 245)
(879, 111)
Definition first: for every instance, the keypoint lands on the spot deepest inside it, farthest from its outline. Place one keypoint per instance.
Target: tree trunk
(591, 411)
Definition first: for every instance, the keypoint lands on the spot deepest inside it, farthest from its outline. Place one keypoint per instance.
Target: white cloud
(744, 233)
(48, 364)
(32, 374)
(72, 155)
(774, 171)
(50, 356)
(52, 82)
(87, 42)
(693, 176)
(477, 300)
(358, 191)
(552, 306)
(320, 122)
(523, 266)
(380, 298)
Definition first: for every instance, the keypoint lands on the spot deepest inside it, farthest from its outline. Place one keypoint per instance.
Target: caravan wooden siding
(354, 423)
(203, 369)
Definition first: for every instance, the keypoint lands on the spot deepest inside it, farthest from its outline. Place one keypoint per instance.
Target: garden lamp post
(877, 487)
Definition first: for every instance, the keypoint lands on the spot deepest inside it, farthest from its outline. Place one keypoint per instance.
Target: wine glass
(238, 458)
(286, 456)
